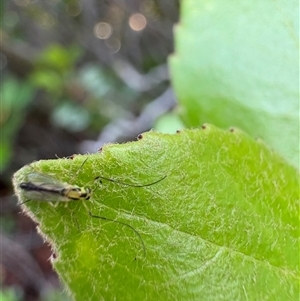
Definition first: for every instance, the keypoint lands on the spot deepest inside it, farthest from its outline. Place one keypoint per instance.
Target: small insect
(41, 187)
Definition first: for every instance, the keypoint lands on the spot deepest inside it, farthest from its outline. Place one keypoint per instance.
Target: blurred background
(74, 75)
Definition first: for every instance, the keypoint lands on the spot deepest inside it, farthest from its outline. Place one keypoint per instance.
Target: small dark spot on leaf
(140, 136)
(178, 131)
(232, 130)
(97, 178)
(203, 126)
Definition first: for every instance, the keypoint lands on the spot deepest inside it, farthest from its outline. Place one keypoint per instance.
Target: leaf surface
(236, 63)
(222, 225)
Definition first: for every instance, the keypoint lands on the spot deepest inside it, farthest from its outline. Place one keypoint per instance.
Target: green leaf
(237, 64)
(222, 225)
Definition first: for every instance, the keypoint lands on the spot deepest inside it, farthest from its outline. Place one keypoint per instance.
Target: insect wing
(47, 189)
(46, 181)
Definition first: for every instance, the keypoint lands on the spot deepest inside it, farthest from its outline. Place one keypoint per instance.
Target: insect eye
(87, 194)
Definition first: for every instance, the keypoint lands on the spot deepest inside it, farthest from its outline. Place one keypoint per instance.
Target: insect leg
(124, 224)
(127, 184)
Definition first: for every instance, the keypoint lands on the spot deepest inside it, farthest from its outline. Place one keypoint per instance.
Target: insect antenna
(127, 184)
(79, 169)
(124, 224)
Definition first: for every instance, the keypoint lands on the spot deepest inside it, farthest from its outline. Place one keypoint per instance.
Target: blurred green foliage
(169, 123)
(16, 96)
(76, 85)
(53, 67)
(237, 64)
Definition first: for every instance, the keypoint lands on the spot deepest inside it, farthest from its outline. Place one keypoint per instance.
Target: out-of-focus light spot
(113, 44)
(22, 2)
(74, 8)
(103, 30)
(46, 21)
(3, 61)
(137, 22)
(10, 19)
